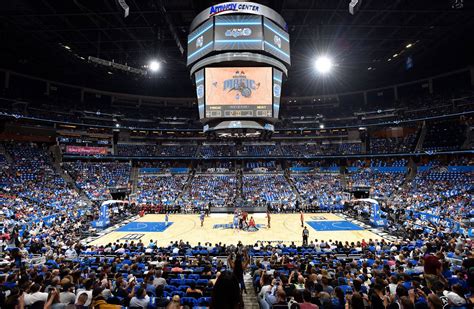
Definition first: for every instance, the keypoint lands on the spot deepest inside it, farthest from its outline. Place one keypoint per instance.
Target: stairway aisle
(250, 299)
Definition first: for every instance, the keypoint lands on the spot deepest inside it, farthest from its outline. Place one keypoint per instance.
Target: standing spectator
(239, 266)
(226, 293)
(305, 236)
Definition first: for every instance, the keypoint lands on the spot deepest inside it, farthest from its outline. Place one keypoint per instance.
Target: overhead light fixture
(321, 126)
(389, 59)
(154, 66)
(369, 68)
(395, 55)
(323, 64)
(409, 45)
(110, 73)
(117, 125)
(67, 47)
(116, 66)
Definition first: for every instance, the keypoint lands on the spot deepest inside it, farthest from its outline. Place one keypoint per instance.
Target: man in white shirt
(88, 290)
(35, 295)
(70, 253)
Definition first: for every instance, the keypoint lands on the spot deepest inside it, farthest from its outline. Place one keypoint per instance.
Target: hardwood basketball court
(218, 228)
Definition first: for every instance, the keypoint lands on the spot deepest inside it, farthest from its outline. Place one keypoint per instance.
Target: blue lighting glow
(200, 32)
(237, 23)
(239, 41)
(277, 49)
(283, 36)
(277, 79)
(199, 50)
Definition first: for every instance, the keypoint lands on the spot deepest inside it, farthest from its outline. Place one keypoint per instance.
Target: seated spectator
(140, 299)
(175, 303)
(34, 295)
(192, 291)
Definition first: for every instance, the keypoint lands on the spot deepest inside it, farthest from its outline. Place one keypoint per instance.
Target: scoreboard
(238, 55)
(238, 33)
(238, 92)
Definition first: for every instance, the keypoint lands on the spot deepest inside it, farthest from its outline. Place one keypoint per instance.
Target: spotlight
(117, 125)
(323, 64)
(321, 126)
(154, 66)
(409, 45)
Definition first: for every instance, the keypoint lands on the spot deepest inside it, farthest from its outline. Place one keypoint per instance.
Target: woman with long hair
(226, 292)
(238, 266)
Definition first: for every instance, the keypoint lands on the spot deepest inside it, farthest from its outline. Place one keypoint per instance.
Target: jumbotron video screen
(238, 92)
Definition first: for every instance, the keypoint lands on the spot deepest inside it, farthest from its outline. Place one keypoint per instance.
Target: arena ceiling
(34, 34)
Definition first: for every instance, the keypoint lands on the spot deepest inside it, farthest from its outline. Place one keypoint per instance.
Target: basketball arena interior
(269, 154)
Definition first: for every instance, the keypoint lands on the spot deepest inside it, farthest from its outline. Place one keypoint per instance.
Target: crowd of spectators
(259, 150)
(31, 188)
(404, 144)
(319, 191)
(447, 195)
(444, 135)
(97, 178)
(45, 265)
(214, 150)
(148, 150)
(159, 189)
(267, 188)
(217, 190)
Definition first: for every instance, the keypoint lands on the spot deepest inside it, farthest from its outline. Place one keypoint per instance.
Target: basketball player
(201, 217)
(236, 221)
(166, 219)
(302, 218)
(268, 218)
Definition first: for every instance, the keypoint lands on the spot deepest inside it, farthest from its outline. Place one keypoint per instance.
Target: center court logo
(229, 226)
(241, 84)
